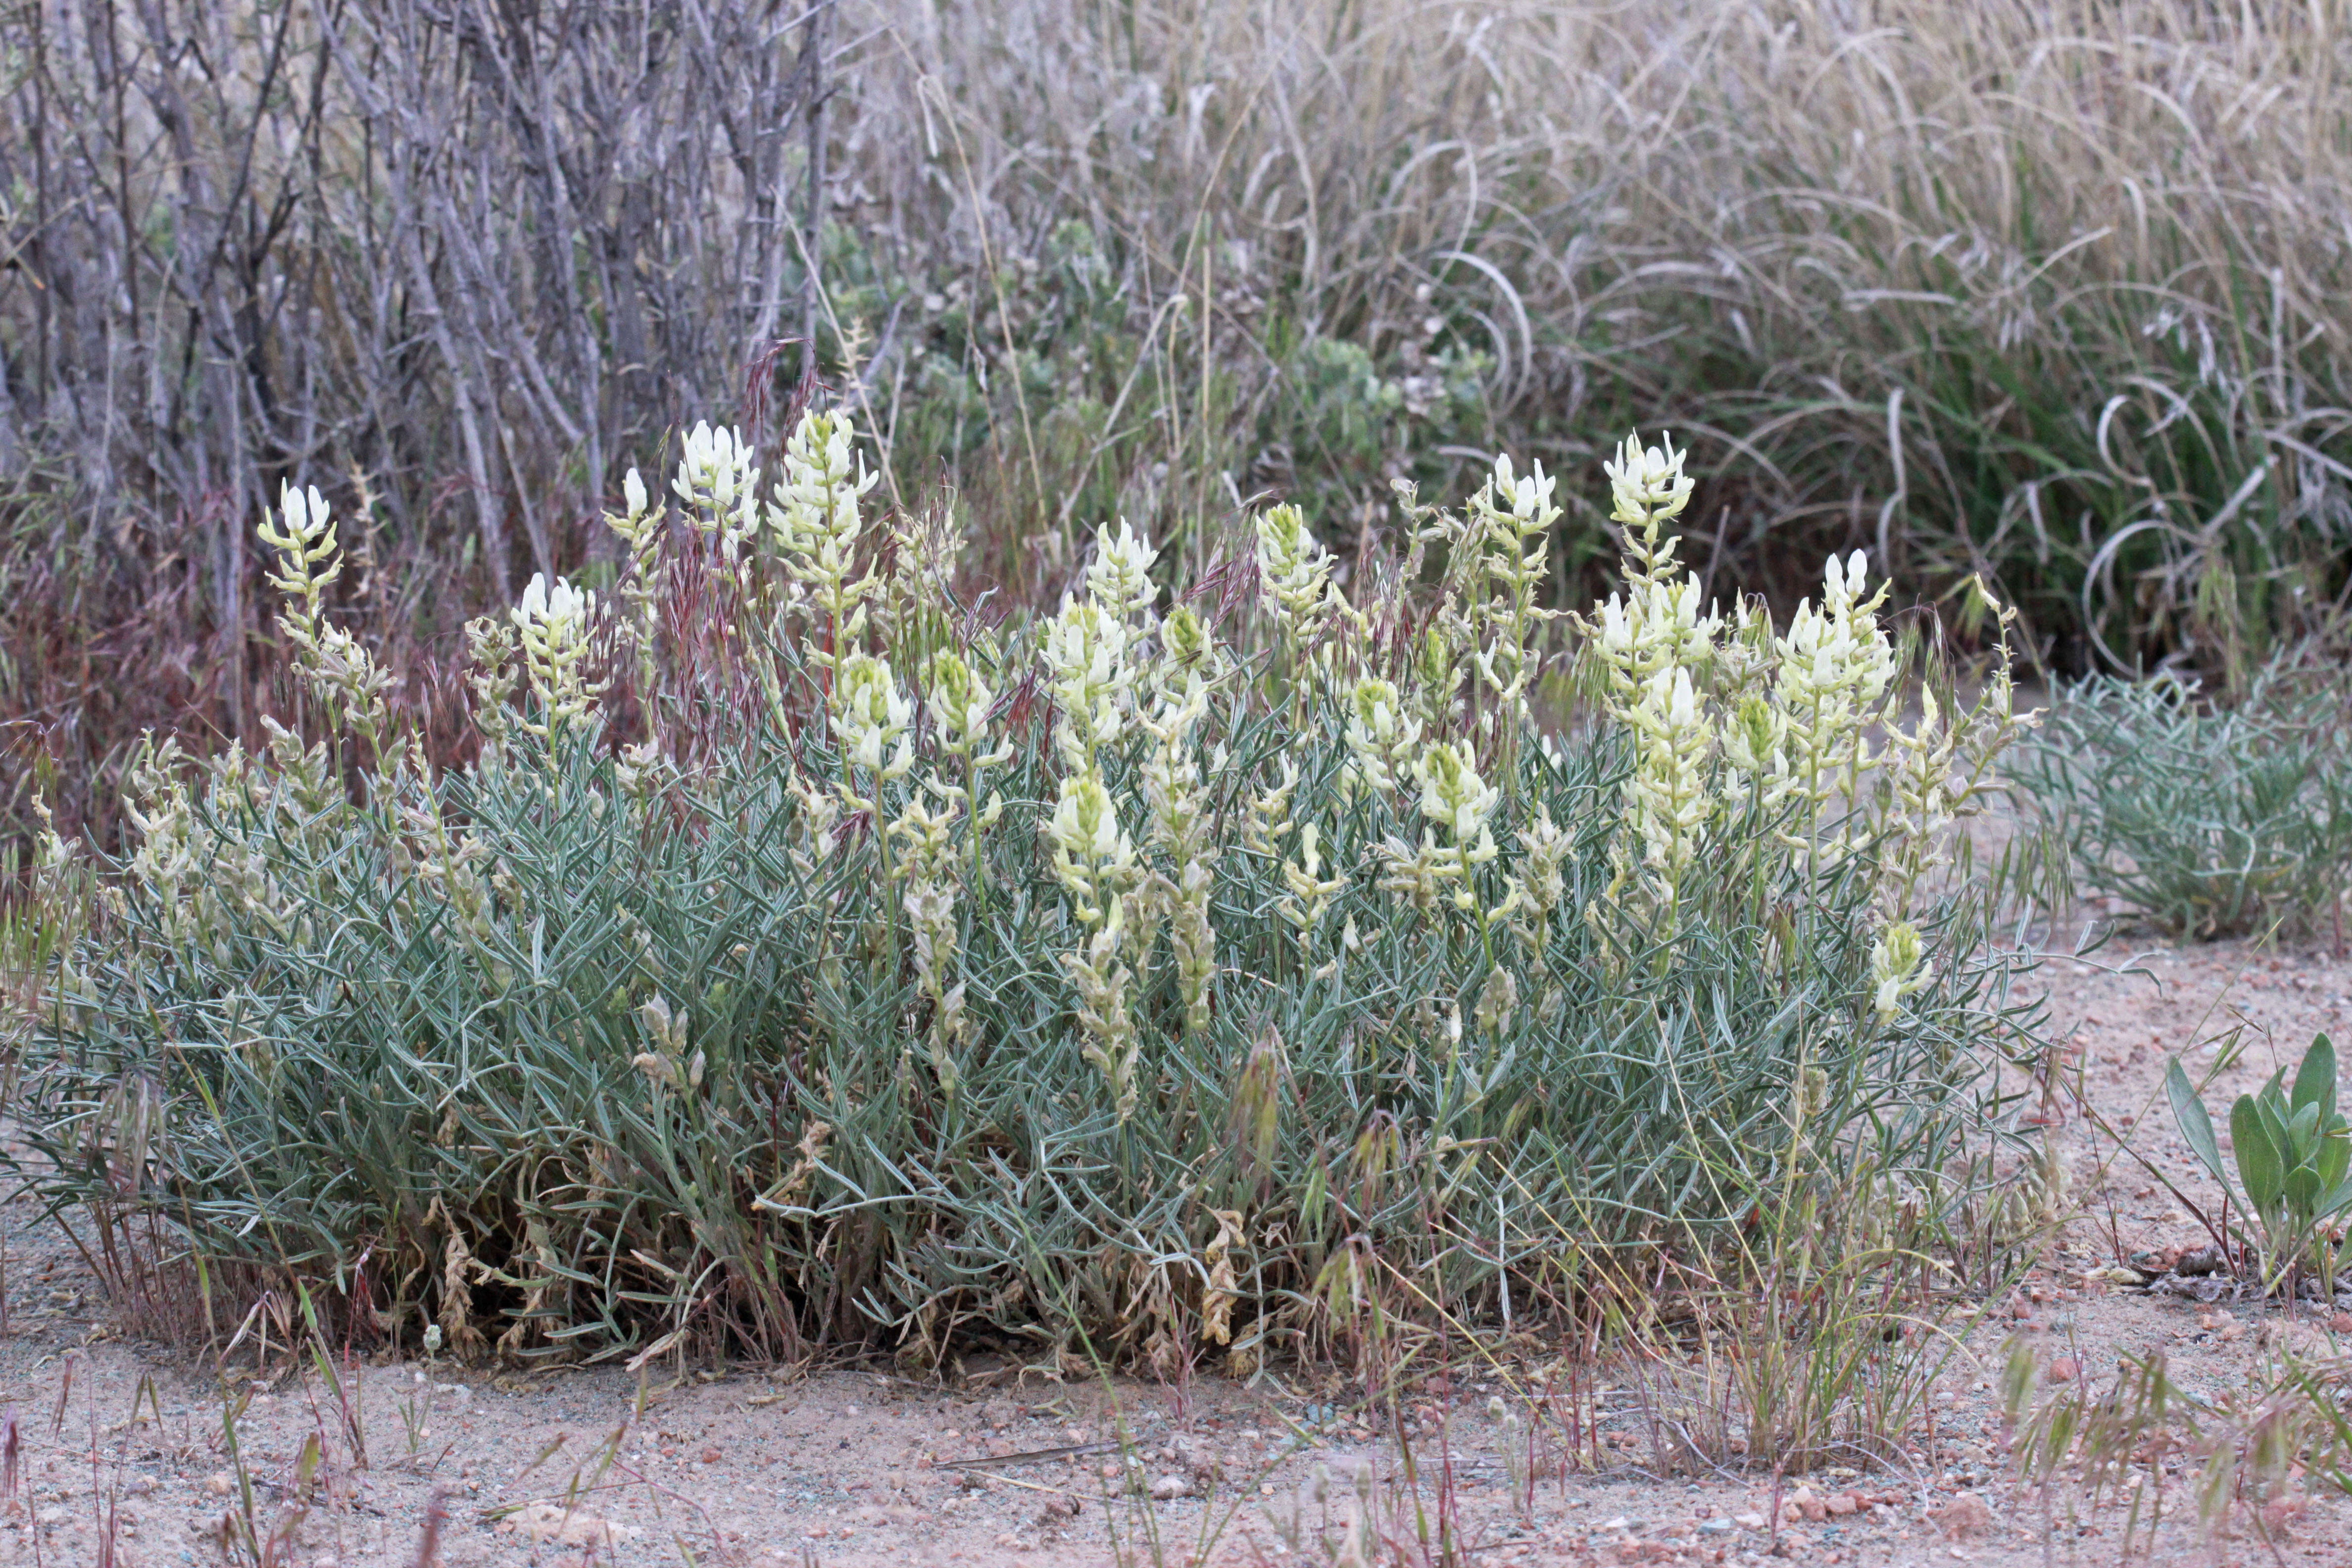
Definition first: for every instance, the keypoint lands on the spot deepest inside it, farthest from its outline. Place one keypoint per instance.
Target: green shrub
(806, 958)
(2210, 817)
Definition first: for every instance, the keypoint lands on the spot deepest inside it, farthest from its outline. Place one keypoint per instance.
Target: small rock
(217, 1484)
(1842, 1504)
(1748, 1520)
(711, 1456)
(2341, 1322)
(1168, 1486)
(49, 1516)
(2065, 1369)
(1964, 1516)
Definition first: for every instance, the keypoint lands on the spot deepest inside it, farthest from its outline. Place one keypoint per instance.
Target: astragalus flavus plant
(811, 956)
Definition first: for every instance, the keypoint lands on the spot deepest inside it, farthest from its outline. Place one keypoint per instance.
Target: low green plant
(2211, 816)
(2293, 1151)
(807, 957)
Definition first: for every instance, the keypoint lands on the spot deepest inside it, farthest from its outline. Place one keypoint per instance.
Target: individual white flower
(1528, 496)
(814, 514)
(1092, 853)
(1381, 736)
(1647, 484)
(552, 614)
(1086, 660)
(872, 716)
(1616, 631)
(1452, 793)
(1666, 792)
(717, 480)
(551, 625)
(1119, 578)
(308, 556)
(1898, 967)
(960, 701)
(1836, 666)
(1294, 568)
(1754, 741)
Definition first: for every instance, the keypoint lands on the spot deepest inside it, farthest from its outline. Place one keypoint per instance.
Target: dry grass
(2052, 290)
(1983, 286)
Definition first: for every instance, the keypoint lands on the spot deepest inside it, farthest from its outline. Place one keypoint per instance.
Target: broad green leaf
(2270, 1106)
(2301, 1189)
(2259, 1166)
(2335, 1156)
(2315, 1081)
(2302, 1134)
(2196, 1124)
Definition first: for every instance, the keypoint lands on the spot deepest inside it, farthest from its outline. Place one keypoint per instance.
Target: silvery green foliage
(2210, 816)
(1094, 979)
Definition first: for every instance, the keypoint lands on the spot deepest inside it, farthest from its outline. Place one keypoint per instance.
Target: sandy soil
(121, 1447)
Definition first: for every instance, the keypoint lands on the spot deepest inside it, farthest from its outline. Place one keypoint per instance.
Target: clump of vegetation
(2211, 815)
(2293, 1151)
(1227, 972)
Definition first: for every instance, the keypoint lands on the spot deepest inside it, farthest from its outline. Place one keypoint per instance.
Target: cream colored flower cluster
(1743, 742)
(340, 671)
(1741, 738)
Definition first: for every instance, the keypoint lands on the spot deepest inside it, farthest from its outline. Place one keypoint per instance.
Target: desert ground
(121, 1451)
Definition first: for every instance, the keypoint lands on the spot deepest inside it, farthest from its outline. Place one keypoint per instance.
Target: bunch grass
(2211, 813)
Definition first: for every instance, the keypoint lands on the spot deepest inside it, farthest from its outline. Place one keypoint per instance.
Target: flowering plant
(809, 954)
